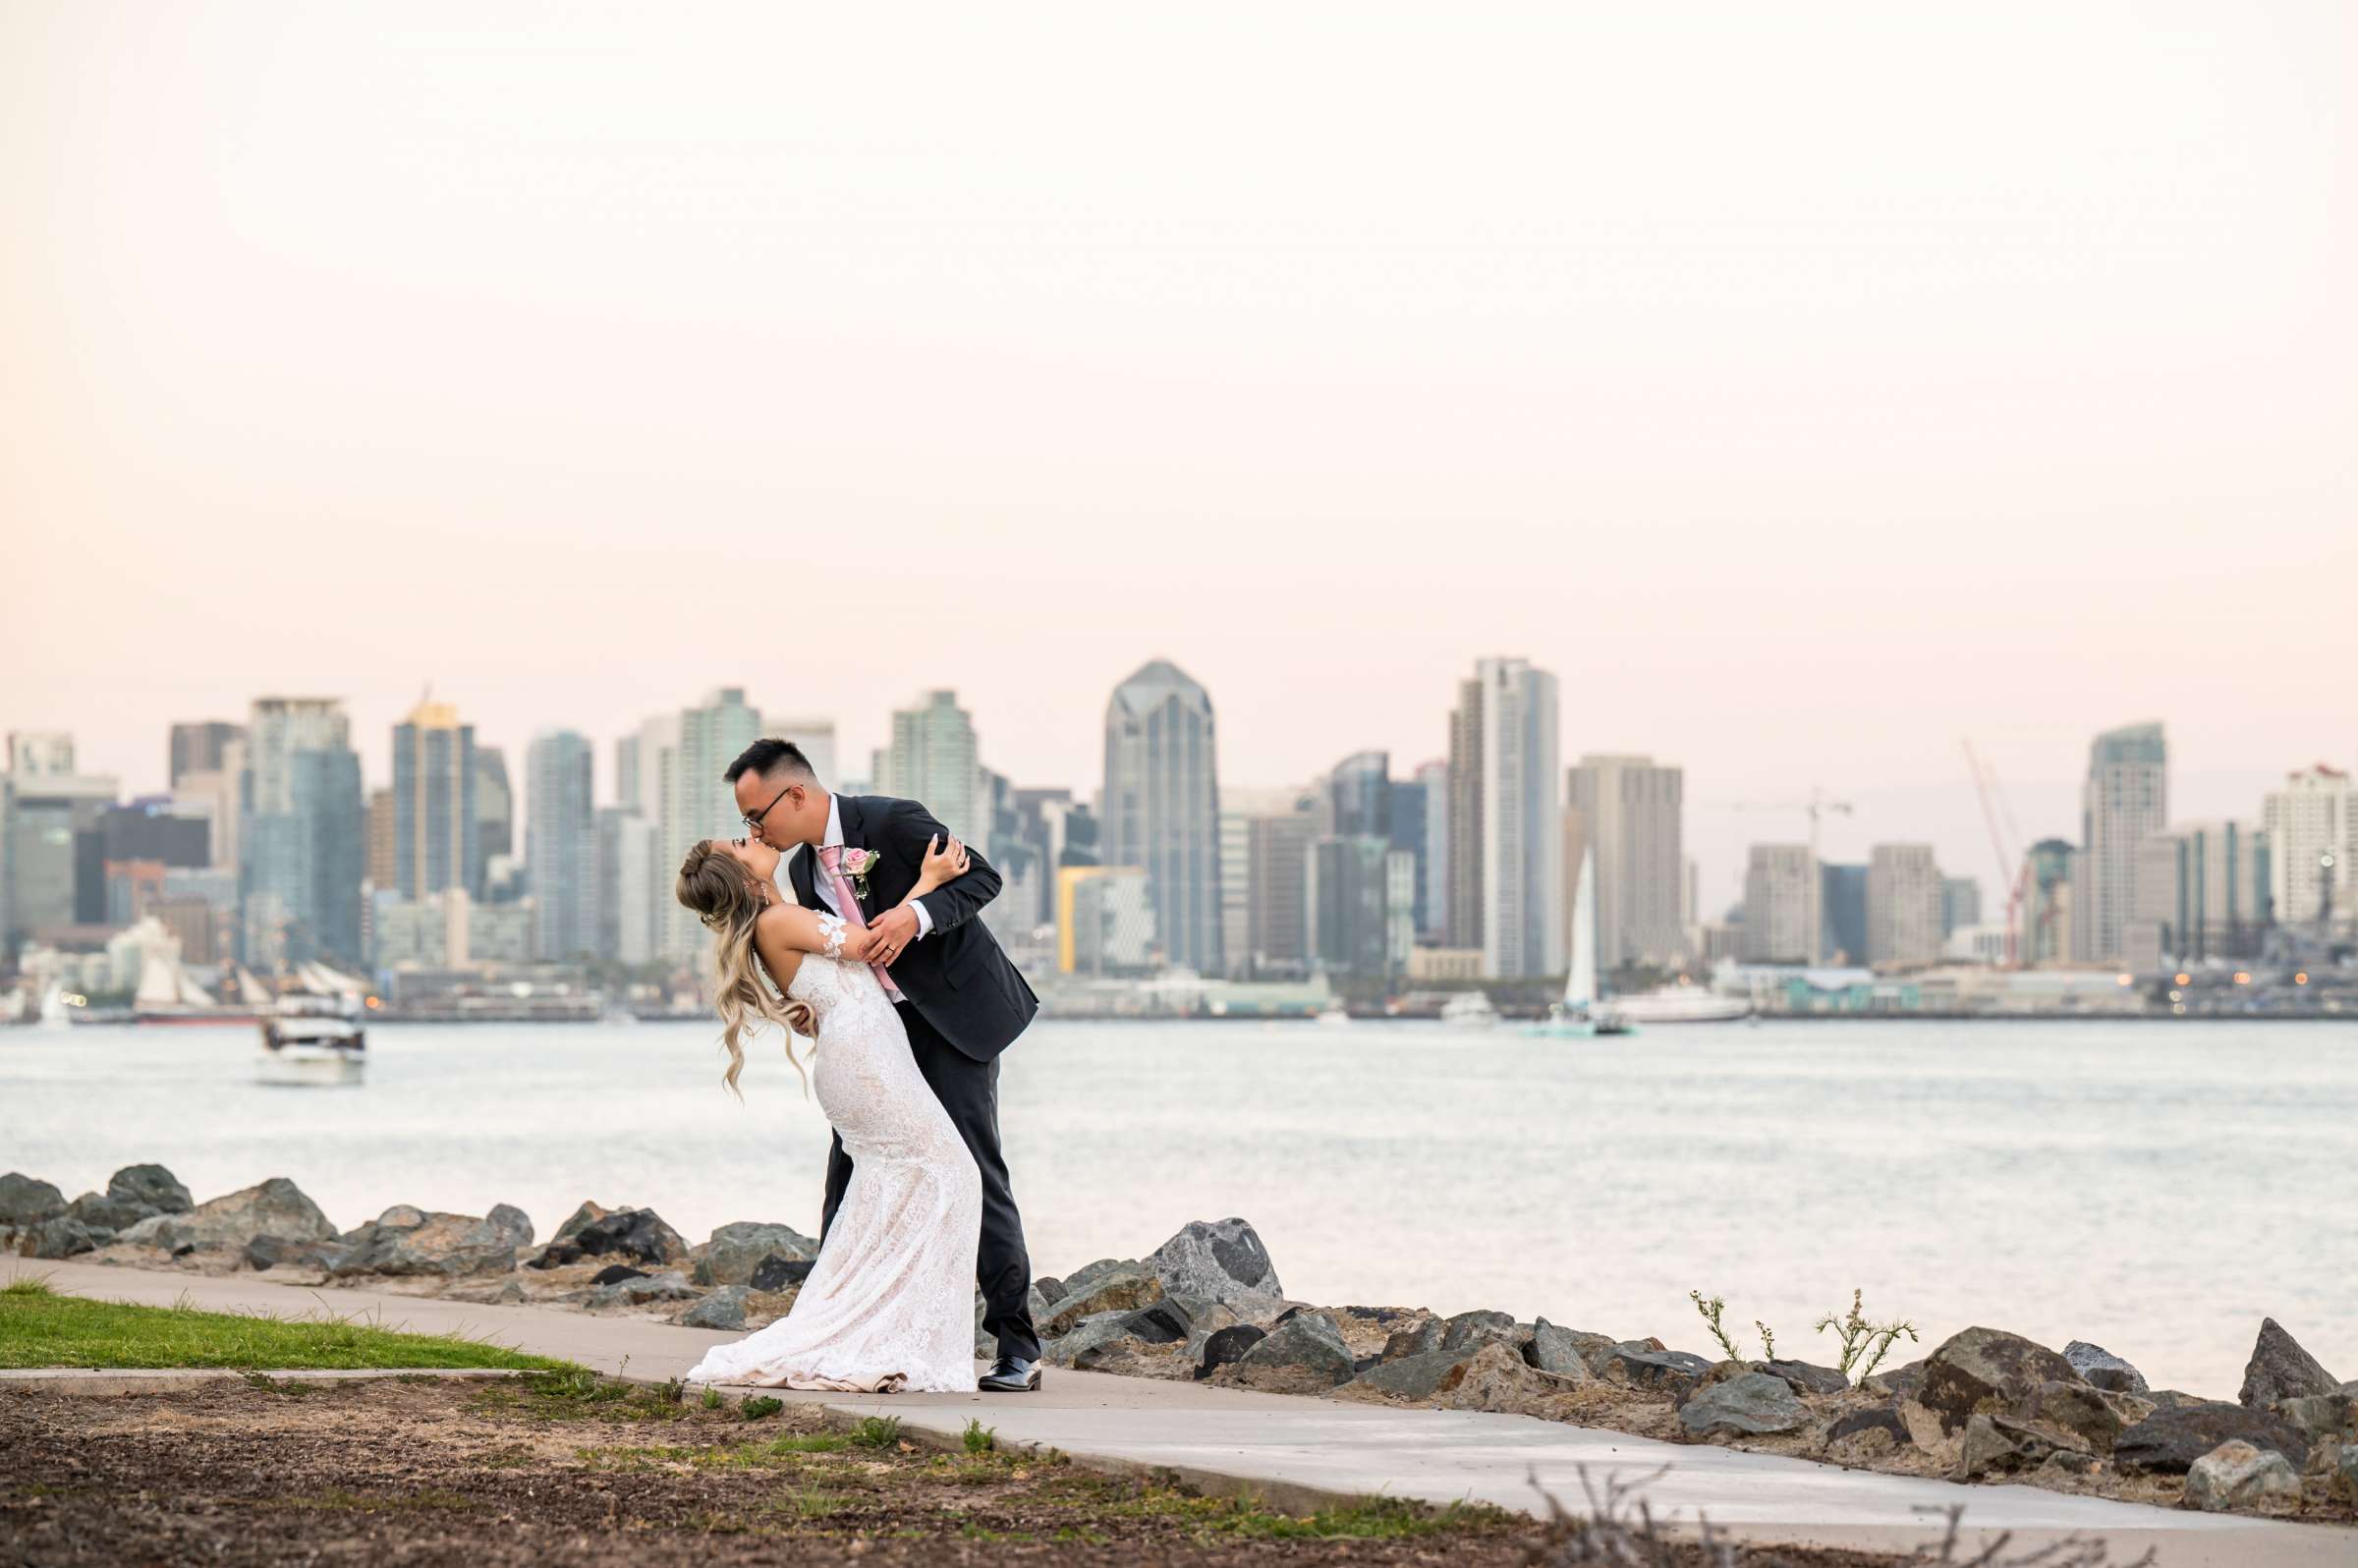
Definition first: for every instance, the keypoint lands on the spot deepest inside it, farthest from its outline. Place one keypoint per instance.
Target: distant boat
(1580, 1014)
(168, 994)
(1683, 1003)
(312, 1039)
(1469, 1010)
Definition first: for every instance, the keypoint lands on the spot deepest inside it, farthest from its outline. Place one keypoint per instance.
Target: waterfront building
(1960, 903)
(689, 753)
(1843, 914)
(1432, 966)
(1632, 816)
(494, 818)
(1277, 917)
(2202, 893)
(303, 841)
(1161, 807)
(2125, 799)
(214, 794)
(383, 862)
(1104, 921)
(1780, 914)
(2049, 933)
(2312, 827)
(932, 758)
(1359, 796)
(629, 898)
(437, 839)
(1506, 820)
(1349, 894)
(202, 747)
(1903, 907)
(52, 852)
(561, 843)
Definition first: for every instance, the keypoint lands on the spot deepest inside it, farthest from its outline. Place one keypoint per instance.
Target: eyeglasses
(753, 820)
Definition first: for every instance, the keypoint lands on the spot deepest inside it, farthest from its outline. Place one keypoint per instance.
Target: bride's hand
(945, 862)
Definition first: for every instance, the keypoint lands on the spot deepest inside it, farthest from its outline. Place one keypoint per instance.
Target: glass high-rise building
(302, 834)
(1507, 820)
(1161, 807)
(933, 758)
(560, 853)
(1632, 814)
(437, 841)
(2124, 801)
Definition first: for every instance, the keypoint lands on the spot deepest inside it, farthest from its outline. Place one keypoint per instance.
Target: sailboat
(1580, 1015)
(168, 994)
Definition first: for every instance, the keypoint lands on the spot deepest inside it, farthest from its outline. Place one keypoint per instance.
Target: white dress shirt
(824, 885)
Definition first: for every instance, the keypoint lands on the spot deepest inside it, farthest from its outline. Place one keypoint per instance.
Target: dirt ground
(514, 1474)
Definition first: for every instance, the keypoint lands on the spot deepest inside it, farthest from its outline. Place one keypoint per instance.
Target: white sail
(159, 979)
(193, 993)
(250, 989)
(1580, 986)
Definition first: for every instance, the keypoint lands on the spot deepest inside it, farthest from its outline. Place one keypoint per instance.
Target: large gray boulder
(61, 1237)
(2169, 1441)
(1468, 1330)
(27, 1200)
(2325, 1418)
(405, 1240)
(151, 1186)
(642, 1289)
(1223, 1345)
(1116, 1290)
(1563, 1351)
(1752, 1404)
(741, 1247)
(2280, 1370)
(1987, 1370)
(1808, 1378)
(1993, 1444)
(723, 1308)
(2237, 1475)
(1417, 1376)
(272, 1207)
(1305, 1349)
(2103, 1369)
(1221, 1261)
(2095, 1416)
(638, 1234)
(1634, 1365)
(589, 1212)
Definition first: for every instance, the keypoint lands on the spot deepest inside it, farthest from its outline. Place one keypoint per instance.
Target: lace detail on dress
(832, 926)
(889, 1303)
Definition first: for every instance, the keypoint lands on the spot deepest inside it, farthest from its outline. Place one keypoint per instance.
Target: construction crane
(2013, 867)
(1817, 805)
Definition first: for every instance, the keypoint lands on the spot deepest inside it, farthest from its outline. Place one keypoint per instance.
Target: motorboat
(1683, 1003)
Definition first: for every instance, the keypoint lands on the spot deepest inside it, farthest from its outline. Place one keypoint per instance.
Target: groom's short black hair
(768, 756)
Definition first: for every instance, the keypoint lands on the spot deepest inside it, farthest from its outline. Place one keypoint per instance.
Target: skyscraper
(2049, 928)
(694, 802)
(1841, 914)
(2312, 826)
(494, 816)
(1780, 914)
(932, 758)
(201, 747)
(814, 738)
(1960, 903)
(302, 839)
(628, 899)
(1161, 807)
(1359, 795)
(1432, 873)
(561, 843)
(1507, 865)
(52, 860)
(434, 781)
(1412, 836)
(1903, 906)
(1632, 816)
(2201, 893)
(2125, 799)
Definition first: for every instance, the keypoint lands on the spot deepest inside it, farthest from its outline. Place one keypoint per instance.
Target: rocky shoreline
(1984, 1405)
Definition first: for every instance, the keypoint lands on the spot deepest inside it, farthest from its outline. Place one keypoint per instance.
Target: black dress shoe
(1011, 1375)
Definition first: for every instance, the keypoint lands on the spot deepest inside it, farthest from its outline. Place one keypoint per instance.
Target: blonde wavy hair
(716, 885)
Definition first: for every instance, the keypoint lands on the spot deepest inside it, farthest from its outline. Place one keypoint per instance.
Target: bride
(889, 1303)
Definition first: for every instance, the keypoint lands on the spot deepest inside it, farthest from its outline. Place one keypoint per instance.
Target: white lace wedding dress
(889, 1303)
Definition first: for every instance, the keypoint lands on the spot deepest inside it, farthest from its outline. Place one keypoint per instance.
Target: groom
(959, 997)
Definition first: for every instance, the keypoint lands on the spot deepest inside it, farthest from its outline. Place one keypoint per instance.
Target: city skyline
(1795, 460)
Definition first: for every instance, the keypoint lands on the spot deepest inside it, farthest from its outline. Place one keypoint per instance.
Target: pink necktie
(847, 905)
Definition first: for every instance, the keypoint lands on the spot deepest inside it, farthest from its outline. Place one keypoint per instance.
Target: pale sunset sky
(1809, 386)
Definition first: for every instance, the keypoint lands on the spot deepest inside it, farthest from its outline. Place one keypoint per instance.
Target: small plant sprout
(980, 1439)
(759, 1407)
(712, 1399)
(1712, 1309)
(1862, 1341)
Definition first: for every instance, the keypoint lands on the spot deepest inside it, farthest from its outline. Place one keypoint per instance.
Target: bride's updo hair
(720, 888)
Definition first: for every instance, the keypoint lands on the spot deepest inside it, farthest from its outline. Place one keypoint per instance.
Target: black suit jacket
(959, 978)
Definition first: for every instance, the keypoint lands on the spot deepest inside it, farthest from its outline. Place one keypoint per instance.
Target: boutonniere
(856, 863)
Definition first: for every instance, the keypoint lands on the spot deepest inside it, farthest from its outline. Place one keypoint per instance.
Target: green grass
(877, 1431)
(39, 1328)
(979, 1438)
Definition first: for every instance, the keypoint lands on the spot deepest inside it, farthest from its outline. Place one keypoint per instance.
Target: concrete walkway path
(1301, 1452)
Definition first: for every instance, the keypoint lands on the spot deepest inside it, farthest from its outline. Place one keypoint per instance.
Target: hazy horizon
(1807, 388)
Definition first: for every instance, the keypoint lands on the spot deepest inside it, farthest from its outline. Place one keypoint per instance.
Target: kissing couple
(906, 1001)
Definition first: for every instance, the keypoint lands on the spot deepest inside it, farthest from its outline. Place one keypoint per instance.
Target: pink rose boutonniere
(856, 863)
